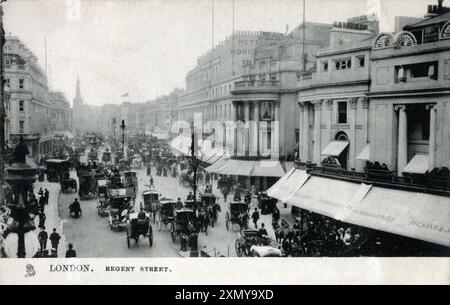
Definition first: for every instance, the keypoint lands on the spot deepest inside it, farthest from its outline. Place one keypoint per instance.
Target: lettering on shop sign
(428, 226)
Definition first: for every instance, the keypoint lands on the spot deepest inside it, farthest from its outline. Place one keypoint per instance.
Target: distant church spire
(78, 99)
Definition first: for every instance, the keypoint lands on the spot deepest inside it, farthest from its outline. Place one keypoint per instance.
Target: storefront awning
(335, 148)
(216, 166)
(267, 168)
(237, 168)
(287, 185)
(328, 197)
(417, 165)
(411, 214)
(416, 215)
(364, 154)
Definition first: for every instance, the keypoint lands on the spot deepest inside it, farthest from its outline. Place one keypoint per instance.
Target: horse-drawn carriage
(88, 184)
(139, 225)
(266, 204)
(68, 184)
(250, 243)
(185, 223)
(103, 193)
(55, 169)
(106, 157)
(186, 179)
(151, 202)
(92, 154)
(166, 214)
(131, 179)
(136, 162)
(209, 202)
(237, 214)
(120, 205)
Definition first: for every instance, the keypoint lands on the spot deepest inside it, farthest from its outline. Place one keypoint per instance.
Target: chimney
(440, 4)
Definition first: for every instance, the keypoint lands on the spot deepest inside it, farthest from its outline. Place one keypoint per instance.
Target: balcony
(256, 85)
(435, 182)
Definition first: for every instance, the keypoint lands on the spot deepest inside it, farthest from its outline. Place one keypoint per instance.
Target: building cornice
(412, 92)
(336, 84)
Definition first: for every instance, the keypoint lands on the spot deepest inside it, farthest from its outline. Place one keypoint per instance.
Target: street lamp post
(122, 126)
(194, 235)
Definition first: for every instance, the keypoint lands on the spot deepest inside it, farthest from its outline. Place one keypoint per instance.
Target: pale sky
(146, 47)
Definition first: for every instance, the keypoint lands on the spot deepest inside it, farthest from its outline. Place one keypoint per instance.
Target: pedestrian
(225, 192)
(43, 237)
(42, 219)
(54, 239)
(42, 203)
(179, 204)
(40, 192)
(46, 196)
(255, 217)
(71, 252)
(151, 182)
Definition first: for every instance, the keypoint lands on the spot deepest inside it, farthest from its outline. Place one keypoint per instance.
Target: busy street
(92, 237)
(320, 134)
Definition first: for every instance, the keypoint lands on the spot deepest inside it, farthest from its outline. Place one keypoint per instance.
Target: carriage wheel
(239, 247)
(172, 233)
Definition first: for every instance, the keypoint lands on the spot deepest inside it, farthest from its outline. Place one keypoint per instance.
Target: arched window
(341, 136)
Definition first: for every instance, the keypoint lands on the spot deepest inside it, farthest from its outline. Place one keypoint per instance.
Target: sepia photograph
(230, 129)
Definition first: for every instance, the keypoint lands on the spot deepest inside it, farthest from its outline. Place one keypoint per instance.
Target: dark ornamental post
(123, 138)
(193, 242)
(21, 177)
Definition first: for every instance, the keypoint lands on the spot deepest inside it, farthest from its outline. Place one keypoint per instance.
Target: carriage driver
(190, 196)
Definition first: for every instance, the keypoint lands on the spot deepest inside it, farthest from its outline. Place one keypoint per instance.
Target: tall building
(374, 137)
(29, 108)
(85, 116)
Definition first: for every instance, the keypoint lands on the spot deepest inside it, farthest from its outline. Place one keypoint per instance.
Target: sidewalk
(51, 212)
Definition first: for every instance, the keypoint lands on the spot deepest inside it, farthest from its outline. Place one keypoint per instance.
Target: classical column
(246, 130)
(276, 134)
(432, 140)
(234, 130)
(365, 123)
(402, 148)
(256, 132)
(305, 131)
(317, 121)
(353, 103)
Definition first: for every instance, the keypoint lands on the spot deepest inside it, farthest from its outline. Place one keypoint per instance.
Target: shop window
(342, 112)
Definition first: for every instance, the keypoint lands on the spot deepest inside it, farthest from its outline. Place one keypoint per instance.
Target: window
(7, 83)
(273, 77)
(262, 64)
(21, 126)
(430, 34)
(324, 65)
(21, 105)
(342, 112)
(343, 64)
(21, 83)
(361, 61)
